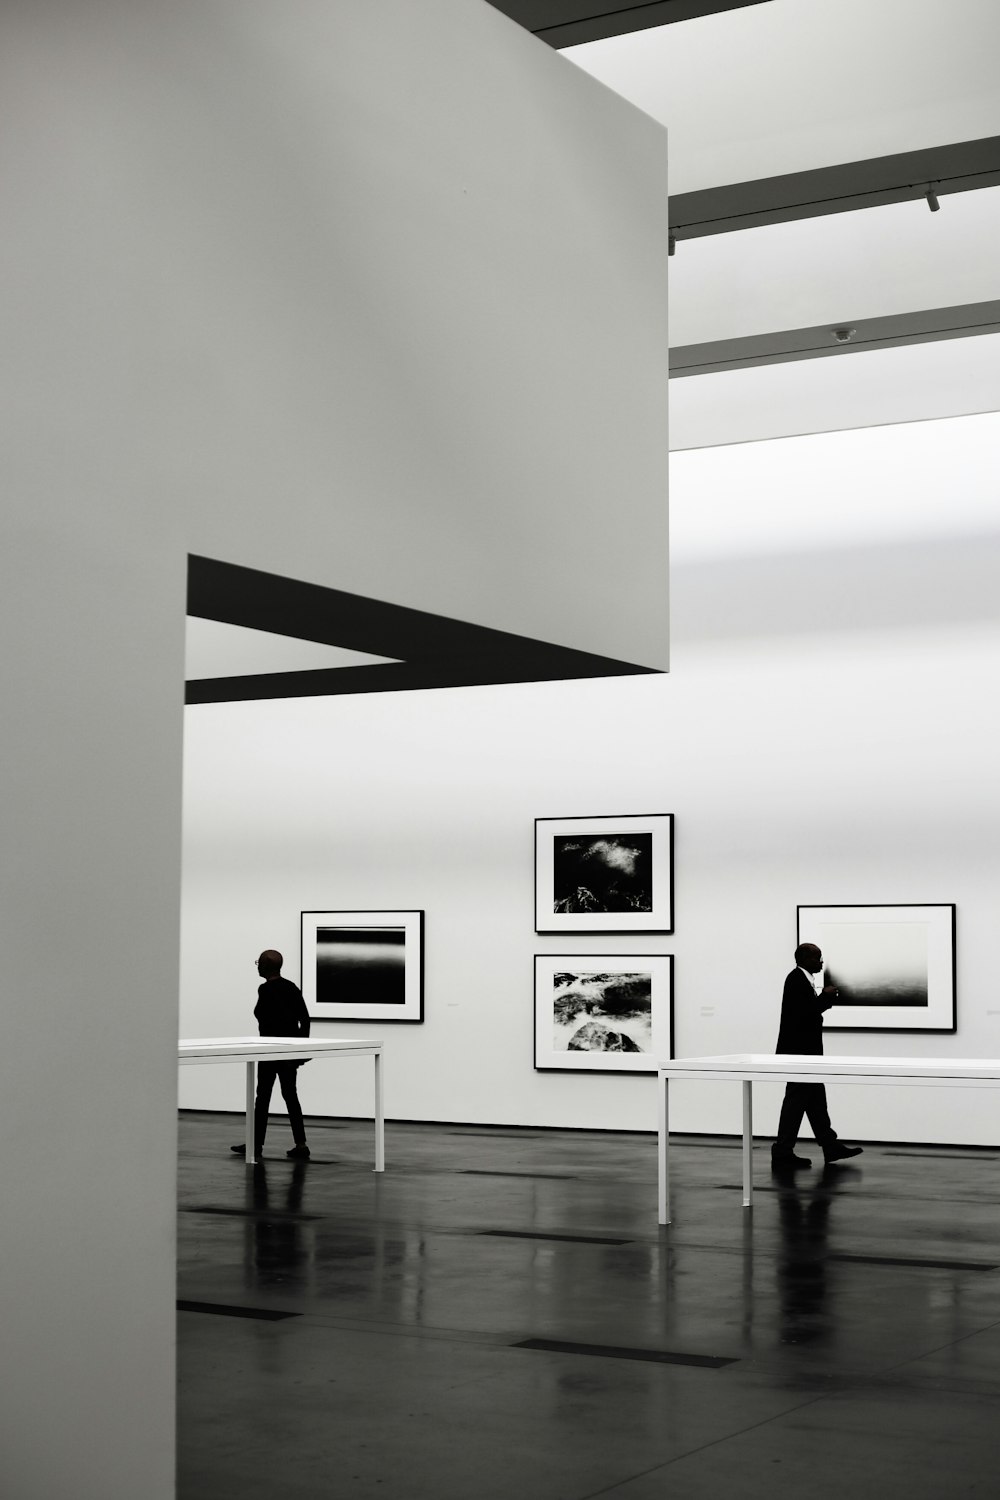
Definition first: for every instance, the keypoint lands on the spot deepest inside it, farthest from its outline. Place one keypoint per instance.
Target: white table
(252, 1050)
(752, 1067)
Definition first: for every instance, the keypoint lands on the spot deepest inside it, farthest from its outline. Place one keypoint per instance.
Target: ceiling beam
(567, 23)
(431, 650)
(958, 168)
(817, 343)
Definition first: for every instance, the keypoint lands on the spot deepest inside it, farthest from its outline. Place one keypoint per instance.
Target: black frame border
(577, 932)
(597, 1072)
(874, 906)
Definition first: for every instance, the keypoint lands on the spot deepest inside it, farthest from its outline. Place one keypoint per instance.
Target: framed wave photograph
(894, 966)
(603, 1013)
(604, 875)
(363, 965)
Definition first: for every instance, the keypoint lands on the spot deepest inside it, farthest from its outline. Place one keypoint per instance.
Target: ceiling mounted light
(932, 199)
(843, 335)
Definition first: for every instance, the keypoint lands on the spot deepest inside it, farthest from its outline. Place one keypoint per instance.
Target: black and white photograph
(604, 874)
(363, 965)
(605, 1014)
(893, 966)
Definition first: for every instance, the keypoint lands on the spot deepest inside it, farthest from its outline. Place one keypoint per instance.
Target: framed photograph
(604, 875)
(893, 965)
(363, 965)
(603, 1013)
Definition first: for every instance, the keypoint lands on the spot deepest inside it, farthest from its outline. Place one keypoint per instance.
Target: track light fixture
(932, 198)
(843, 335)
(671, 244)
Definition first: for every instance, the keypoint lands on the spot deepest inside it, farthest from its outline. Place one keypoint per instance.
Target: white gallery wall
(827, 734)
(295, 287)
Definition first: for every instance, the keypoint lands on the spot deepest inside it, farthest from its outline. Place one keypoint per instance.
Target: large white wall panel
(369, 295)
(394, 271)
(796, 84)
(827, 734)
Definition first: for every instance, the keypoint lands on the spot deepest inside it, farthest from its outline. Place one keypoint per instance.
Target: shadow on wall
(897, 586)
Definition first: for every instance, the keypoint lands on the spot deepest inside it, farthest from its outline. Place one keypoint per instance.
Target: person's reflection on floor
(275, 1231)
(803, 1221)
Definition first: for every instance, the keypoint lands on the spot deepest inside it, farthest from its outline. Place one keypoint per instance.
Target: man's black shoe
(299, 1153)
(785, 1161)
(241, 1150)
(841, 1153)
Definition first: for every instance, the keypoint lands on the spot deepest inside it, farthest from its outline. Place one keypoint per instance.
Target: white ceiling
(947, 378)
(213, 649)
(797, 84)
(868, 264)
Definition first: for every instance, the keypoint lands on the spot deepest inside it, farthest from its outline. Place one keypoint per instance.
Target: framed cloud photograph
(363, 965)
(604, 875)
(894, 966)
(603, 1013)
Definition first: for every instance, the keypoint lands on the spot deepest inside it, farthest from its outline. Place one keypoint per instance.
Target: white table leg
(251, 1096)
(663, 1151)
(747, 1143)
(379, 1116)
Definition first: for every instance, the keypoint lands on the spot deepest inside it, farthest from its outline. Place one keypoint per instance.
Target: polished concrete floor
(841, 1342)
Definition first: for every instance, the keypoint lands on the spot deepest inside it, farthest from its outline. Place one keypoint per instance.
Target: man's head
(269, 963)
(809, 957)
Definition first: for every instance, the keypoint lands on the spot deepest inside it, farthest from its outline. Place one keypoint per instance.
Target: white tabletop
(251, 1047)
(763, 1064)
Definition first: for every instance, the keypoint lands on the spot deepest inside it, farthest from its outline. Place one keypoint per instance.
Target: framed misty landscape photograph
(604, 875)
(894, 966)
(603, 1013)
(363, 965)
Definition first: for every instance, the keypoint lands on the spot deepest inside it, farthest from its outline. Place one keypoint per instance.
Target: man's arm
(801, 995)
(302, 1019)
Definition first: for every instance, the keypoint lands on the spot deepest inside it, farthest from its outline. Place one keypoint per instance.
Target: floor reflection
(803, 1273)
(279, 1242)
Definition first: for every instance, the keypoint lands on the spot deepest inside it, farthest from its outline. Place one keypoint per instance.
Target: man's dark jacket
(280, 1009)
(801, 1028)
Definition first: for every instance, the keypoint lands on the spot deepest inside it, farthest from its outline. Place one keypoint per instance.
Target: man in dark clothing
(803, 1002)
(280, 1011)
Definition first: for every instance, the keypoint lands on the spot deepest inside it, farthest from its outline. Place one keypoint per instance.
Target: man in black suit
(280, 1011)
(803, 1002)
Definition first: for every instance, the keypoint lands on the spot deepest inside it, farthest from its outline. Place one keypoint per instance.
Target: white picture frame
(904, 954)
(363, 965)
(603, 1012)
(607, 875)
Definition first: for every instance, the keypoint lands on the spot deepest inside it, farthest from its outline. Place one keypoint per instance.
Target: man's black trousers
(285, 1073)
(800, 1099)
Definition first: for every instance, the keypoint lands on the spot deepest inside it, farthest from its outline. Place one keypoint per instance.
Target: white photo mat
(403, 933)
(657, 828)
(933, 936)
(592, 970)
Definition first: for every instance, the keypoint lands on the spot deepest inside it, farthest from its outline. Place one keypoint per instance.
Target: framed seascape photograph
(604, 875)
(893, 965)
(603, 1013)
(363, 965)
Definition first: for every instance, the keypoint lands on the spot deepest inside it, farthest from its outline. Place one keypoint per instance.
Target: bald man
(280, 1011)
(805, 998)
